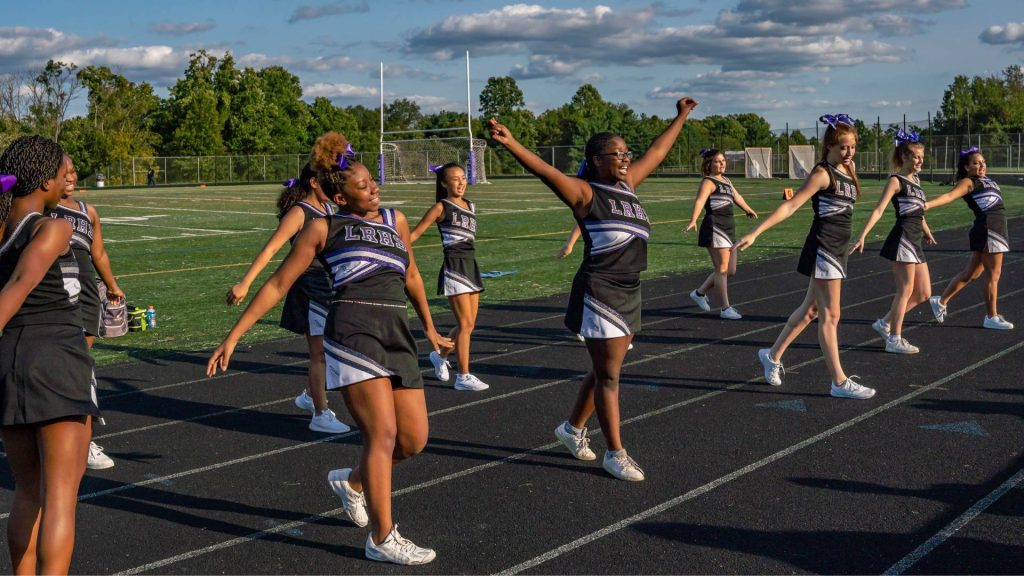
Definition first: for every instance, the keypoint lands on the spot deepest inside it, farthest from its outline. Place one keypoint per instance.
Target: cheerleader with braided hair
(45, 367)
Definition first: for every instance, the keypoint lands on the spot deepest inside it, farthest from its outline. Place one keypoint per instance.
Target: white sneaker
(850, 389)
(354, 503)
(630, 347)
(581, 338)
(397, 550)
(578, 444)
(997, 322)
(305, 402)
(938, 309)
(97, 459)
(326, 421)
(773, 370)
(701, 301)
(622, 466)
(730, 313)
(881, 327)
(440, 367)
(469, 382)
(900, 346)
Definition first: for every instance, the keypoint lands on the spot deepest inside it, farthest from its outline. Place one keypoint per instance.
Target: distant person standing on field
(150, 177)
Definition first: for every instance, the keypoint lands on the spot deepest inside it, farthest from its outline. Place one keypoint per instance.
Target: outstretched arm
(817, 180)
(306, 247)
(964, 187)
(289, 226)
(432, 216)
(575, 193)
(891, 187)
(415, 291)
(570, 242)
(742, 203)
(653, 157)
(705, 190)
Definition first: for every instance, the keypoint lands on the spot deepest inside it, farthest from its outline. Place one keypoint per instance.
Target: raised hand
(500, 133)
(685, 105)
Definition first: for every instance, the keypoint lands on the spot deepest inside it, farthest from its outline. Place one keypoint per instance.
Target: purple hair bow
(832, 120)
(7, 181)
(291, 182)
(434, 168)
(582, 169)
(970, 150)
(344, 157)
(704, 152)
(903, 138)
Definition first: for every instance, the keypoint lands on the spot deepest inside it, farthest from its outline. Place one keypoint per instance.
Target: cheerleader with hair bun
(832, 187)
(716, 195)
(904, 244)
(988, 237)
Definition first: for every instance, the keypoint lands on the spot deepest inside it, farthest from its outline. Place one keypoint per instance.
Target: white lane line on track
(482, 467)
(946, 533)
(672, 503)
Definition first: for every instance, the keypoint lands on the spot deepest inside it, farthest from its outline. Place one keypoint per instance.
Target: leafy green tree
(325, 117)
(247, 130)
(52, 91)
(192, 115)
(289, 115)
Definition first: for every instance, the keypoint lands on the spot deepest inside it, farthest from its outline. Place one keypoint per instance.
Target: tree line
(217, 108)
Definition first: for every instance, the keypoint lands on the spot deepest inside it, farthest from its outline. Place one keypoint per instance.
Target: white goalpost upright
(409, 159)
(758, 162)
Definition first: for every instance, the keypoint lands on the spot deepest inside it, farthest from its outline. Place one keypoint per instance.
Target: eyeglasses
(620, 155)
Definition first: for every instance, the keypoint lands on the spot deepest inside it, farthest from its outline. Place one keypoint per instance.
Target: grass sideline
(181, 248)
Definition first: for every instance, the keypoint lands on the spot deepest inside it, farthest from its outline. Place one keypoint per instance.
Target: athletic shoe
(354, 503)
(938, 309)
(622, 466)
(900, 346)
(773, 370)
(850, 389)
(730, 313)
(997, 322)
(440, 367)
(326, 421)
(469, 382)
(581, 338)
(305, 402)
(397, 550)
(630, 347)
(701, 301)
(578, 444)
(881, 327)
(97, 459)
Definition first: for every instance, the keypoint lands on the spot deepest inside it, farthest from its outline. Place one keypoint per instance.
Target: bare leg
(724, 267)
(804, 314)
(317, 380)
(26, 509)
(993, 264)
(905, 275)
(970, 272)
(63, 450)
(601, 385)
(465, 307)
(827, 294)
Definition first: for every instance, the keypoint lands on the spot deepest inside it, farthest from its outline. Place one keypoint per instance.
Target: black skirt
(312, 286)
(89, 296)
(989, 234)
(604, 307)
(717, 231)
(364, 340)
(824, 254)
(46, 373)
(904, 242)
(459, 275)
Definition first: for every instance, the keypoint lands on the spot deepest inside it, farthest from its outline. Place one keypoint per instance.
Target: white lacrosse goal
(758, 162)
(411, 160)
(801, 161)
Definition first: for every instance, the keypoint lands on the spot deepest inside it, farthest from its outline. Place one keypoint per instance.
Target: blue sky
(787, 60)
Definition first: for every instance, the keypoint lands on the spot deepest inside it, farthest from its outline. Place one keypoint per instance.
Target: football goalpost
(410, 159)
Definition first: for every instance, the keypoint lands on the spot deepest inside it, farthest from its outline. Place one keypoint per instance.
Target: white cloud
(1011, 33)
(182, 28)
(307, 12)
(134, 58)
(892, 104)
(339, 90)
(541, 66)
(23, 48)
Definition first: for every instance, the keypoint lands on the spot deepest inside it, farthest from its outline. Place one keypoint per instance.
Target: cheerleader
(305, 307)
(604, 304)
(717, 231)
(459, 279)
(832, 187)
(371, 354)
(988, 237)
(45, 367)
(903, 245)
(91, 255)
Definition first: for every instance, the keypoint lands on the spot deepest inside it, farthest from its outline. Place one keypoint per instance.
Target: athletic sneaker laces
(773, 370)
(900, 346)
(326, 421)
(97, 459)
(730, 313)
(440, 367)
(851, 389)
(469, 382)
(622, 466)
(937, 309)
(577, 442)
(997, 322)
(305, 402)
(398, 550)
(354, 503)
(701, 301)
(881, 327)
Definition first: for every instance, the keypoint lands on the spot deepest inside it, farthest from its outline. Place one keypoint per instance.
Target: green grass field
(180, 249)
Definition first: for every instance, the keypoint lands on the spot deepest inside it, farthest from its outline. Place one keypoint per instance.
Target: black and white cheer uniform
(989, 232)
(718, 229)
(904, 243)
(460, 273)
(305, 305)
(824, 253)
(81, 244)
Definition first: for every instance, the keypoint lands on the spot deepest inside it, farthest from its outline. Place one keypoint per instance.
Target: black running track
(222, 476)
